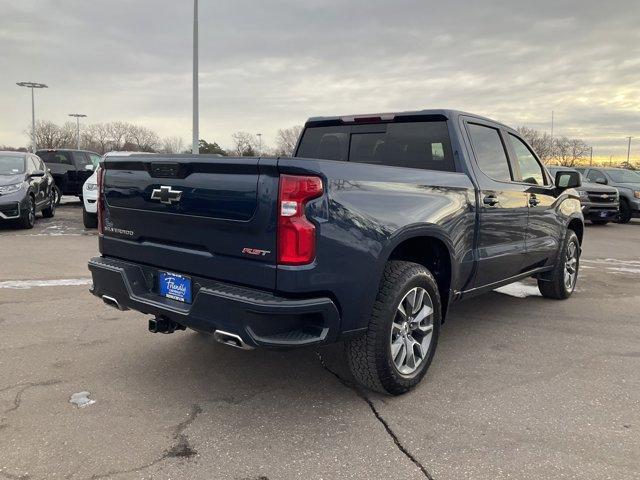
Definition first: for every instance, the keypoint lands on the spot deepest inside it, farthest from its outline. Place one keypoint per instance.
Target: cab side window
(95, 159)
(530, 168)
(81, 160)
(596, 176)
(490, 153)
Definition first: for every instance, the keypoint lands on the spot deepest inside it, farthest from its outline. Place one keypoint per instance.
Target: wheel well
(577, 226)
(433, 254)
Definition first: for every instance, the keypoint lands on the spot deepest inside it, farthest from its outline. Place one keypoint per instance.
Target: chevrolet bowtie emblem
(166, 195)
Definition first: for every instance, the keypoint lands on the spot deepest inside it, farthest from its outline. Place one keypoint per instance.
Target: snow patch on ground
(81, 399)
(519, 290)
(27, 284)
(615, 266)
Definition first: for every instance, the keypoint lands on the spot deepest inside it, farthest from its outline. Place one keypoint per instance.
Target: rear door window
(490, 153)
(422, 145)
(530, 169)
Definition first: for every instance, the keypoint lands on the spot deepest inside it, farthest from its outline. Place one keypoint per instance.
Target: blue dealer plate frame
(175, 286)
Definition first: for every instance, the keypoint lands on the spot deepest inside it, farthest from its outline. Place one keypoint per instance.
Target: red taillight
(296, 234)
(100, 203)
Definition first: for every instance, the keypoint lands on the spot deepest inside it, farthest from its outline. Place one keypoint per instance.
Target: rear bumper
(260, 318)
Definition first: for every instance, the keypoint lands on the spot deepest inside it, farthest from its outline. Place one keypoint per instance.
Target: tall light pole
(78, 116)
(628, 149)
(259, 135)
(33, 85)
(196, 117)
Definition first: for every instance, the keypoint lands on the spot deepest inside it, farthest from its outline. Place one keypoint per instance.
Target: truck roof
(446, 114)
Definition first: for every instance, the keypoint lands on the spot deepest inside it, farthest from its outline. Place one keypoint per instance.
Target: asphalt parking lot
(521, 387)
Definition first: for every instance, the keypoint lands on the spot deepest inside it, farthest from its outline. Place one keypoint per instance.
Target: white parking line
(26, 284)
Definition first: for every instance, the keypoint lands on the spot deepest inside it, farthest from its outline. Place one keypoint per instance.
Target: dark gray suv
(626, 181)
(26, 187)
(600, 203)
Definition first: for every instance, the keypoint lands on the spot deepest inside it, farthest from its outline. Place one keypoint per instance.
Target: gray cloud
(270, 64)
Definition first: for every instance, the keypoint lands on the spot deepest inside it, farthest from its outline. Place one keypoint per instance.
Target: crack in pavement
(379, 417)
(180, 449)
(25, 386)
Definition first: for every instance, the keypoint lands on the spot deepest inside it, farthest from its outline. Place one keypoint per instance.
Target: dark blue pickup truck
(376, 227)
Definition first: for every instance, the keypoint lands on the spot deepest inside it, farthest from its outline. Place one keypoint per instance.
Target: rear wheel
(90, 220)
(396, 351)
(625, 212)
(28, 218)
(565, 275)
(50, 211)
(57, 194)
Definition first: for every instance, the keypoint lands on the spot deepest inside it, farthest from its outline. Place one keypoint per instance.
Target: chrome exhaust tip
(231, 339)
(112, 302)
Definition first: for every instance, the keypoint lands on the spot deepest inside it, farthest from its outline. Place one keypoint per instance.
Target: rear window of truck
(55, 157)
(423, 145)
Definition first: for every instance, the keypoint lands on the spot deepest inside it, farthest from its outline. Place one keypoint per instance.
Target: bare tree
(96, 137)
(541, 142)
(172, 145)
(569, 151)
(142, 139)
(244, 144)
(50, 135)
(287, 139)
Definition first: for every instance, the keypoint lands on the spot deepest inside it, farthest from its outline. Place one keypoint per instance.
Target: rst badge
(166, 195)
(256, 252)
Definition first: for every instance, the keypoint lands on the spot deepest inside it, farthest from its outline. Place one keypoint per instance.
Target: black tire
(28, 218)
(90, 220)
(625, 212)
(556, 286)
(599, 222)
(50, 211)
(369, 356)
(57, 194)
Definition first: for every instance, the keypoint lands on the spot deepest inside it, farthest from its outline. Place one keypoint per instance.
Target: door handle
(490, 200)
(533, 200)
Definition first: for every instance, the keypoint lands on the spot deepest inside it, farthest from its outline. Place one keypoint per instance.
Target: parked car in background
(626, 181)
(26, 187)
(69, 168)
(600, 203)
(368, 236)
(90, 189)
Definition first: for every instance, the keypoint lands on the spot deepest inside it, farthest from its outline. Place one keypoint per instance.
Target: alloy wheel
(412, 331)
(571, 267)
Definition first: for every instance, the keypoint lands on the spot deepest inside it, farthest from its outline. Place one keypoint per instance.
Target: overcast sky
(270, 64)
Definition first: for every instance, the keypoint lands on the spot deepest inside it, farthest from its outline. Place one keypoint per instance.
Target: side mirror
(566, 179)
(601, 180)
(89, 167)
(37, 173)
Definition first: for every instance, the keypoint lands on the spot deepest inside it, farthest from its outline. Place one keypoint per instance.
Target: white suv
(90, 191)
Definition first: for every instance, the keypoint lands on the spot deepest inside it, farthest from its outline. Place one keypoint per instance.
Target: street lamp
(628, 149)
(196, 120)
(259, 135)
(33, 85)
(78, 116)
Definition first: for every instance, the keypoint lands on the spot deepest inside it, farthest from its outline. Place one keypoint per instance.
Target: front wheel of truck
(396, 351)
(564, 277)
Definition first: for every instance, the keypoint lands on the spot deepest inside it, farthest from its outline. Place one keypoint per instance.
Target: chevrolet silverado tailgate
(204, 215)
